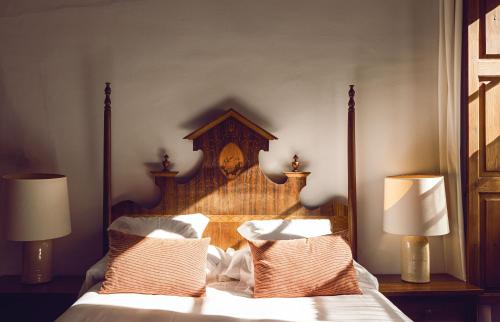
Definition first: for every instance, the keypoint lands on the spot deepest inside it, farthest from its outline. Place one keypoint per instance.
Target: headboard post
(351, 181)
(106, 188)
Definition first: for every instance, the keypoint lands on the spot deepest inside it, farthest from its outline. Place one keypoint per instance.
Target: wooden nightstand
(445, 298)
(42, 302)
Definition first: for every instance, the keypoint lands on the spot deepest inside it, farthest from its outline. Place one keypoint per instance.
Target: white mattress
(231, 302)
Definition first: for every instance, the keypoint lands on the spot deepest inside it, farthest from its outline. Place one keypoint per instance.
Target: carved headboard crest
(231, 143)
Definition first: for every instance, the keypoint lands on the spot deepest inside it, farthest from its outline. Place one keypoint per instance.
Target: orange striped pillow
(148, 265)
(303, 267)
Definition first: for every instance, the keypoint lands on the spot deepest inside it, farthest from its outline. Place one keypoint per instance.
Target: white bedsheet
(231, 302)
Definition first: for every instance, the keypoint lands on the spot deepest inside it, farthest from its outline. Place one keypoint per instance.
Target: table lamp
(415, 206)
(36, 211)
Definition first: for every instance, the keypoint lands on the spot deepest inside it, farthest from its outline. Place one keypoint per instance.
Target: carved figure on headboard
(231, 161)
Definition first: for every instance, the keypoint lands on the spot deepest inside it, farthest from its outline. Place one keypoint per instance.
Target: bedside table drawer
(433, 308)
(37, 302)
(34, 307)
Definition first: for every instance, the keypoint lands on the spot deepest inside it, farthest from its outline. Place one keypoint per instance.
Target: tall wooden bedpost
(351, 169)
(106, 194)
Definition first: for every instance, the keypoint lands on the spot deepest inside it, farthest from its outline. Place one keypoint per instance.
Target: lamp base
(37, 262)
(415, 263)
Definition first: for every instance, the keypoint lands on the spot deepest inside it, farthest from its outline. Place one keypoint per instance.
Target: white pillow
(278, 229)
(217, 262)
(181, 226)
(365, 278)
(239, 268)
(94, 275)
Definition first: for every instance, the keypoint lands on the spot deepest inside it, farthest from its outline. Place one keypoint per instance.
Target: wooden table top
(440, 284)
(11, 284)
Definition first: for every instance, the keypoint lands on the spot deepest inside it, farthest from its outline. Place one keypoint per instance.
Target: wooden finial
(165, 163)
(351, 98)
(295, 163)
(107, 100)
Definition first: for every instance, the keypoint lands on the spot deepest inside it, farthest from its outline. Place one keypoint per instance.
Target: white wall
(174, 63)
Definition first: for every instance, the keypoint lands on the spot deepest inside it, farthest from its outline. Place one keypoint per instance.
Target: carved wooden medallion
(231, 161)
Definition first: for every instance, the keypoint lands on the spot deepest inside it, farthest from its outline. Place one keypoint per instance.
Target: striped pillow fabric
(148, 265)
(303, 267)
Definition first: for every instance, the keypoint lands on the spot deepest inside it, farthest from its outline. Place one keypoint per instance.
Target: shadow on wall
(212, 112)
(16, 156)
(12, 160)
(37, 135)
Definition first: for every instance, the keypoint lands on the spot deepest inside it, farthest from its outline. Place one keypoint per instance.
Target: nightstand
(445, 298)
(41, 302)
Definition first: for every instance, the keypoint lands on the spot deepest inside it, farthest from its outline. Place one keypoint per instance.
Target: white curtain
(450, 44)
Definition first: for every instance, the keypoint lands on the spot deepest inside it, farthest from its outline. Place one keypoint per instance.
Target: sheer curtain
(450, 43)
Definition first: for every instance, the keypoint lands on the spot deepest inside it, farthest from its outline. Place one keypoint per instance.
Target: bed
(230, 189)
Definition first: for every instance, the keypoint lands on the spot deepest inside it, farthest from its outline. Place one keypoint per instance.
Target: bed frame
(229, 187)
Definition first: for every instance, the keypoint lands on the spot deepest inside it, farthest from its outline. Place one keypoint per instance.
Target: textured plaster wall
(174, 64)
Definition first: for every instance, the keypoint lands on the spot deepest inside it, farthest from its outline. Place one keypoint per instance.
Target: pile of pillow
(167, 255)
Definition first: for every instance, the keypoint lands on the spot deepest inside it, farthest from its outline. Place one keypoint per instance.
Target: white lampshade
(415, 205)
(36, 207)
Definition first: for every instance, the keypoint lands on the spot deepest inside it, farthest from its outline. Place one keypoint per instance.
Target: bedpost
(106, 188)
(351, 170)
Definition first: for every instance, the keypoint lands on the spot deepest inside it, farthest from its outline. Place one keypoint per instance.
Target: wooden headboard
(230, 187)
